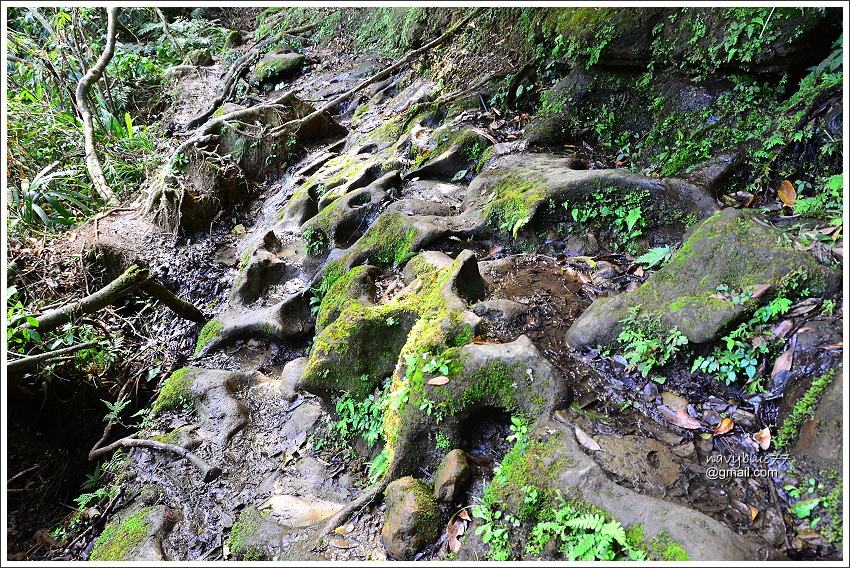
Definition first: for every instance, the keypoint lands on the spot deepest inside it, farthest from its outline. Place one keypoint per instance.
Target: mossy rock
(553, 461)
(448, 151)
(209, 394)
(413, 518)
(340, 221)
(508, 194)
(233, 39)
(727, 249)
(276, 67)
(133, 535)
(201, 57)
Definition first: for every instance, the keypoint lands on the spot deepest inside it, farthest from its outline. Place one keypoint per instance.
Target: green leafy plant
(363, 418)
(46, 201)
(316, 241)
(658, 256)
(647, 343)
(622, 216)
(739, 355)
(583, 535)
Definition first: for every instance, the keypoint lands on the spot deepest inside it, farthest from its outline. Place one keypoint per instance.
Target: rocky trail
(415, 321)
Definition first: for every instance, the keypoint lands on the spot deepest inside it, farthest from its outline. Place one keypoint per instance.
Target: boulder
(276, 67)
(727, 249)
(413, 519)
(452, 476)
(201, 57)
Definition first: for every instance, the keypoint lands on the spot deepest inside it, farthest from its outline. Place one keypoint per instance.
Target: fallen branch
(354, 507)
(167, 32)
(132, 279)
(294, 125)
(182, 308)
(236, 71)
(209, 472)
(20, 364)
(83, 87)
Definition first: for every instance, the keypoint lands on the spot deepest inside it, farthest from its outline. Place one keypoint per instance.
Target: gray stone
(452, 476)
(277, 67)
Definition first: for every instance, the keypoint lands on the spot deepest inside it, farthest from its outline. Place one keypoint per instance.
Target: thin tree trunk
(167, 32)
(83, 87)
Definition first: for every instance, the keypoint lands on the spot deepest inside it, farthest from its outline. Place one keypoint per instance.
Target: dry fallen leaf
(763, 438)
(587, 441)
(438, 380)
(783, 362)
(464, 515)
(833, 346)
(783, 327)
(787, 193)
(678, 417)
(725, 425)
(753, 513)
(454, 531)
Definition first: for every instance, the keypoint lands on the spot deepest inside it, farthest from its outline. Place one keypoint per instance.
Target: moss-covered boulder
(509, 193)
(277, 67)
(201, 57)
(413, 519)
(210, 395)
(448, 152)
(233, 39)
(342, 219)
(134, 534)
(727, 249)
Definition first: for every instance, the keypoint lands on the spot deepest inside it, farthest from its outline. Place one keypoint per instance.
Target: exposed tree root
(209, 472)
(236, 71)
(293, 126)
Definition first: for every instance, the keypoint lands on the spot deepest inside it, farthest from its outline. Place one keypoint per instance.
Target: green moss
(243, 529)
(515, 203)
(210, 331)
(341, 294)
(171, 437)
(661, 547)
(387, 241)
(803, 410)
(118, 539)
(175, 391)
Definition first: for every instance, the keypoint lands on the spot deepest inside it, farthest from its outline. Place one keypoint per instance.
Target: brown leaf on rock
(833, 346)
(454, 530)
(758, 290)
(438, 380)
(678, 417)
(763, 438)
(803, 307)
(725, 425)
(783, 362)
(753, 513)
(464, 515)
(587, 441)
(787, 193)
(782, 328)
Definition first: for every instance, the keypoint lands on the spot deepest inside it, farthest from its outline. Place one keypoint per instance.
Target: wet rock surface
(319, 290)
